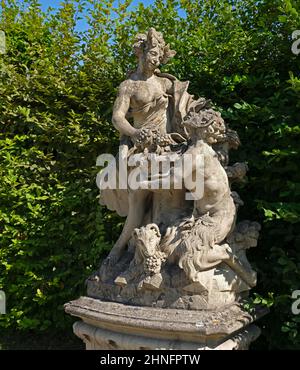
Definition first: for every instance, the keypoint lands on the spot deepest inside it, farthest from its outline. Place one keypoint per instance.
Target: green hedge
(57, 86)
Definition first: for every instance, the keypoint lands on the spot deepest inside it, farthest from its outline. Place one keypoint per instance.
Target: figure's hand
(135, 136)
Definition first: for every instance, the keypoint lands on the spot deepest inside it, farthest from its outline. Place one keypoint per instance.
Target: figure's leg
(136, 212)
(241, 269)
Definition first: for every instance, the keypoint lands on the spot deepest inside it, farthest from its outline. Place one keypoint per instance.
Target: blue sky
(55, 3)
(82, 25)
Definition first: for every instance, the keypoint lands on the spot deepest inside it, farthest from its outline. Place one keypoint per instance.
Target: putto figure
(174, 252)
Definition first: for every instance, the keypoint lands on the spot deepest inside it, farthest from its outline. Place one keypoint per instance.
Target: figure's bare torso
(216, 188)
(148, 101)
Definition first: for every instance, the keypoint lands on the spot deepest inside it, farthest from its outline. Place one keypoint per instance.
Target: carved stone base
(110, 325)
(214, 289)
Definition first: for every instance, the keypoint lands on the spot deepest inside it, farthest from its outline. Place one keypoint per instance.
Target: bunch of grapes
(152, 140)
(143, 137)
(152, 265)
(163, 140)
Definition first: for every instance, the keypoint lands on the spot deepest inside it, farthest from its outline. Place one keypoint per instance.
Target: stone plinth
(110, 325)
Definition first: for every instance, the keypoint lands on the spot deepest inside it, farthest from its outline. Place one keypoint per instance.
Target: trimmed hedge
(57, 86)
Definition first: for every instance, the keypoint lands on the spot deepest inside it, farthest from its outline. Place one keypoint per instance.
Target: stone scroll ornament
(175, 252)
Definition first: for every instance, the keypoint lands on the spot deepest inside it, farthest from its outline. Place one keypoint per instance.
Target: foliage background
(57, 86)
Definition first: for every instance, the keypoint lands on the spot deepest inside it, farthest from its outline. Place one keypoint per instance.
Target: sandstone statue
(181, 246)
(178, 276)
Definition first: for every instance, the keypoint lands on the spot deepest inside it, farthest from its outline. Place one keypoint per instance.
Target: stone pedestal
(110, 325)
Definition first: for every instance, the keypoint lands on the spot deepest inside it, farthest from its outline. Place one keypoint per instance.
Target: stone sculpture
(174, 252)
(178, 276)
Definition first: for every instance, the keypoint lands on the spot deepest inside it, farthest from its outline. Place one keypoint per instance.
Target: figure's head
(152, 50)
(207, 125)
(147, 239)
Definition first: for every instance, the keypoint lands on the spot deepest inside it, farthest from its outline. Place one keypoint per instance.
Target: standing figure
(144, 97)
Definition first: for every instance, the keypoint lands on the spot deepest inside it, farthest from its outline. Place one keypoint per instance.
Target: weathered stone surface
(100, 339)
(172, 289)
(174, 252)
(180, 263)
(131, 327)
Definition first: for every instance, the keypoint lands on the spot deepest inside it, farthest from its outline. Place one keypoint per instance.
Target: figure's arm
(121, 107)
(169, 86)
